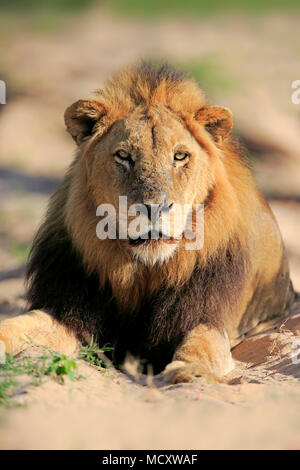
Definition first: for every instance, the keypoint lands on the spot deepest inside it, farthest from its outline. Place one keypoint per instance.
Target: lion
(152, 136)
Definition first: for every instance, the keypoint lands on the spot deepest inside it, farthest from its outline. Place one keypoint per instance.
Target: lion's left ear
(81, 117)
(217, 120)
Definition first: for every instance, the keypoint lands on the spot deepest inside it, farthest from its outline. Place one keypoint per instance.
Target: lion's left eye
(181, 156)
(122, 154)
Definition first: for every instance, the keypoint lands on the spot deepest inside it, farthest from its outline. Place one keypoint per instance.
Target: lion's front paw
(2, 352)
(5, 340)
(182, 372)
(178, 372)
(16, 333)
(8, 337)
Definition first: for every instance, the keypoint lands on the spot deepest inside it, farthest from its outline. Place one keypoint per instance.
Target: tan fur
(205, 352)
(36, 328)
(151, 119)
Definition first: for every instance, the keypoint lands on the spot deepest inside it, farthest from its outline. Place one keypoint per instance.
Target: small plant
(52, 364)
(6, 388)
(95, 355)
(61, 366)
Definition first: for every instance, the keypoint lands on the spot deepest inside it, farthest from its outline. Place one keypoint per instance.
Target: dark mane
(148, 82)
(58, 283)
(152, 75)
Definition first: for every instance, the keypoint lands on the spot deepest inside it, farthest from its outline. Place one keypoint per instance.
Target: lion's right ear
(81, 117)
(217, 121)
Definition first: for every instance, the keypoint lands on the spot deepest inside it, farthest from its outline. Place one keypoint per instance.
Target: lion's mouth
(152, 238)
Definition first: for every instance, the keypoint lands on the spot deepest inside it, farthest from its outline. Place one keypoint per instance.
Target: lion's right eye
(122, 155)
(181, 156)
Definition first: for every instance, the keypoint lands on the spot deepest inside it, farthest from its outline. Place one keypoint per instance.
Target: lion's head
(149, 136)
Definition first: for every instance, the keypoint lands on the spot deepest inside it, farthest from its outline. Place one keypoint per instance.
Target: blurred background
(245, 54)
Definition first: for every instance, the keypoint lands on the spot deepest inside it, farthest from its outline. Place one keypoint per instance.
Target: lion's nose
(154, 211)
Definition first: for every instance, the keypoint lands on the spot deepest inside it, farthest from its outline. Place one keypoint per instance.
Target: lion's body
(159, 302)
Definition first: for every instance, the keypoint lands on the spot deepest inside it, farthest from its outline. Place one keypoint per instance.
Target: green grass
(209, 73)
(49, 364)
(93, 354)
(60, 367)
(7, 386)
(152, 8)
(158, 8)
(49, 16)
(39, 17)
(55, 5)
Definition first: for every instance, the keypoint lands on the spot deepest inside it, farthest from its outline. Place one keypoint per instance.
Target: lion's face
(148, 139)
(153, 160)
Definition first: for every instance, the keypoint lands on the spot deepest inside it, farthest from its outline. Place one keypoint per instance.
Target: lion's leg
(204, 352)
(39, 328)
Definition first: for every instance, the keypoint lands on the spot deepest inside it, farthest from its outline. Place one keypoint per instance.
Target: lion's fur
(98, 286)
(147, 86)
(229, 199)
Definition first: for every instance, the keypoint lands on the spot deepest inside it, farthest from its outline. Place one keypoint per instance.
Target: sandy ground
(259, 405)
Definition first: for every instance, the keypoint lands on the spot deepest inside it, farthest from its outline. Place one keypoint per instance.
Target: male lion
(150, 135)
